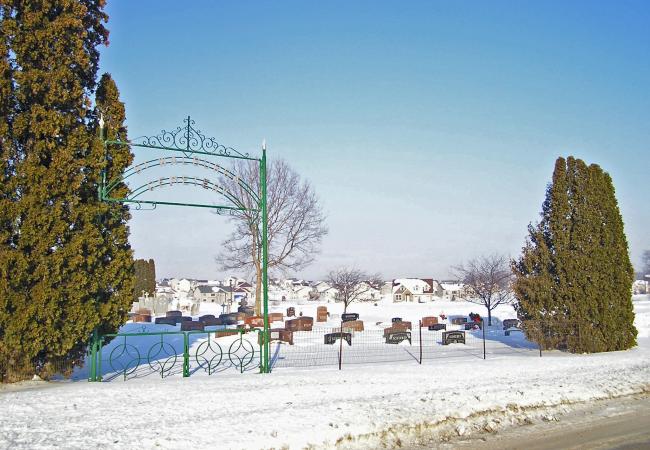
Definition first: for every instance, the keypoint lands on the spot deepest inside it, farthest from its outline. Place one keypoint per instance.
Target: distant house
(419, 290)
(455, 290)
(221, 295)
(640, 287)
(369, 292)
(182, 285)
(302, 292)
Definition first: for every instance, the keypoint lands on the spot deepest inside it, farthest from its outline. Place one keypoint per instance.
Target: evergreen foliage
(575, 274)
(145, 278)
(64, 256)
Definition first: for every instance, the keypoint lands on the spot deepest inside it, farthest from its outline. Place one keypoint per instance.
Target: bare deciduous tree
(489, 277)
(296, 223)
(352, 284)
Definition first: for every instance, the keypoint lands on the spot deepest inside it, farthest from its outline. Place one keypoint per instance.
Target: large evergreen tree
(575, 273)
(64, 261)
(116, 257)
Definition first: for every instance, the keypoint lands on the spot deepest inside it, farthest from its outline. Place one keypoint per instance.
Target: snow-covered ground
(366, 405)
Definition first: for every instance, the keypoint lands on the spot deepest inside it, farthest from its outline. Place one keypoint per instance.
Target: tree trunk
(489, 317)
(258, 290)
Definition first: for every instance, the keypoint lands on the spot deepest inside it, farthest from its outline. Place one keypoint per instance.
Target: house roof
(205, 289)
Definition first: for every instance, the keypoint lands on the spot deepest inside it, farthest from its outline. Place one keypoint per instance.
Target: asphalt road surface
(622, 424)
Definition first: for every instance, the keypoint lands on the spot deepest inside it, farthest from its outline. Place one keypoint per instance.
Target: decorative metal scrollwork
(241, 353)
(125, 359)
(209, 355)
(187, 138)
(162, 357)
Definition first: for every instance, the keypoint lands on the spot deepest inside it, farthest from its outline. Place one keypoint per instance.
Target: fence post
(341, 344)
(420, 341)
(99, 358)
(483, 329)
(186, 355)
(541, 334)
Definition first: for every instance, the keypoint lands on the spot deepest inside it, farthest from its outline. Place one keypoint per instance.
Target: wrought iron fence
(167, 353)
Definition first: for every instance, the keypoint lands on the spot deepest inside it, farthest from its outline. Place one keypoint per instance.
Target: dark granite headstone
(453, 337)
(347, 317)
(398, 336)
(331, 338)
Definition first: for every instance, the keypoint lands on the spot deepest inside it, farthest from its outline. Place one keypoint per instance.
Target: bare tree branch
(296, 223)
(352, 284)
(489, 277)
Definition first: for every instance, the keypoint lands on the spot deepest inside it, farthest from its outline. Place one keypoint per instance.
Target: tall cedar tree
(116, 268)
(575, 272)
(64, 258)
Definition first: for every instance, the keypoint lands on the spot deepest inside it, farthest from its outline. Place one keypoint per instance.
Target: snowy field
(364, 405)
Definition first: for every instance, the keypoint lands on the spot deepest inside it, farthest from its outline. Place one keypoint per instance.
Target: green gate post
(265, 261)
(186, 355)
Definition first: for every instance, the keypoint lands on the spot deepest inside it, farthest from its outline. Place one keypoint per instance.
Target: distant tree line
(145, 278)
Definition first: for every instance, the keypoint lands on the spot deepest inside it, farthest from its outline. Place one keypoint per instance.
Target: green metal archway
(188, 146)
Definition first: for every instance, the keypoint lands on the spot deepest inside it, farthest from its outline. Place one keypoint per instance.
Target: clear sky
(428, 129)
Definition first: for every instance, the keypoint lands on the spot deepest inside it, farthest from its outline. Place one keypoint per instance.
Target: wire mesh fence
(415, 343)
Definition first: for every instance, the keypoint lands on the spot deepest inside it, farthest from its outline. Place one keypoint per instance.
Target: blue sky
(428, 129)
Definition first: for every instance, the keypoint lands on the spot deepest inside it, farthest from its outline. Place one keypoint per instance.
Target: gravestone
(183, 319)
(165, 321)
(401, 326)
(291, 312)
(511, 323)
(438, 327)
(396, 319)
(458, 320)
(278, 334)
(428, 321)
(347, 317)
(229, 319)
(472, 325)
(321, 314)
(331, 338)
(189, 325)
(206, 316)
(143, 315)
(354, 325)
(453, 337)
(173, 314)
(275, 317)
(254, 321)
(210, 322)
(396, 337)
(300, 324)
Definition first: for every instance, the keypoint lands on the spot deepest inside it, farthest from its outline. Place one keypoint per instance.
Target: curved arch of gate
(204, 183)
(180, 161)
